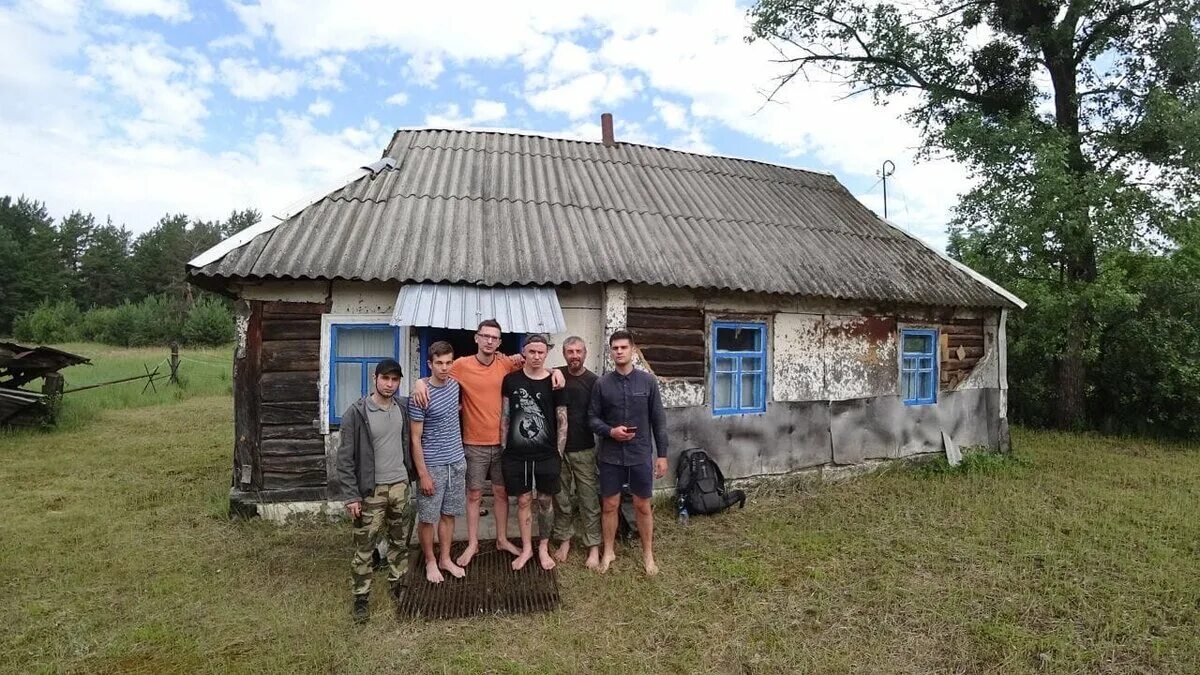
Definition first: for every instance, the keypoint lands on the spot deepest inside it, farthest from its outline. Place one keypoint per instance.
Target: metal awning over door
(519, 309)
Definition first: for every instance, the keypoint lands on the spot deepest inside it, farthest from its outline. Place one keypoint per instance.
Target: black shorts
(614, 478)
(526, 475)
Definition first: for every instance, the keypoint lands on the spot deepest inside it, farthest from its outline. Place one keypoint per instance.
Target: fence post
(174, 363)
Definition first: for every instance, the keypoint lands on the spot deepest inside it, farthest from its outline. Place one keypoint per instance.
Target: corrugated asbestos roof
(520, 309)
(494, 208)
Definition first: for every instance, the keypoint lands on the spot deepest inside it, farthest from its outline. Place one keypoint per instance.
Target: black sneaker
(362, 608)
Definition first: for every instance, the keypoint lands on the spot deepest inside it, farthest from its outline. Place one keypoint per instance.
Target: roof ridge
(836, 187)
(567, 139)
(535, 202)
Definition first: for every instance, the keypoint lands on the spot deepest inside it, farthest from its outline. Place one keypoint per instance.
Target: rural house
(790, 327)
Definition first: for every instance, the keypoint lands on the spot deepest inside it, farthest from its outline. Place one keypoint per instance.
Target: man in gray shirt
(626, 411)
(374, 469)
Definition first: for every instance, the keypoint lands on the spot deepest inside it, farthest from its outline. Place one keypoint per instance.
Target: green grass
(202, 372)
(1080, 555)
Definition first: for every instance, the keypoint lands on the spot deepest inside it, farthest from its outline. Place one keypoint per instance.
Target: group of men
(529, 430)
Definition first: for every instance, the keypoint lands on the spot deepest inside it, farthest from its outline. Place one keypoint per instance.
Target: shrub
(152, 321)
(208, 322)
(49, 322)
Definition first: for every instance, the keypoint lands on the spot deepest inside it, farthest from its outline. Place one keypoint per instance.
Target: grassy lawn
(1082, 555)
(203, 371)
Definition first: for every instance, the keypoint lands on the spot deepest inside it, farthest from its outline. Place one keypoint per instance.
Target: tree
(104, 268)
(73, 237)
(30, 270)
(1079, 121)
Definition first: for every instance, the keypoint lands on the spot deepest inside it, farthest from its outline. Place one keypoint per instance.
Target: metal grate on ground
(490, 587)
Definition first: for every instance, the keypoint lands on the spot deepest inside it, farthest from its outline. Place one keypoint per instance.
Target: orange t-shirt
(480, 387)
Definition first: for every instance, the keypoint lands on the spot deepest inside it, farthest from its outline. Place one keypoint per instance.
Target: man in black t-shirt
(580, 492)
(533, 438)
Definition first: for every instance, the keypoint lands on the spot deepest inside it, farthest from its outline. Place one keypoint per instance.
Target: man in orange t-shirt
(479, 378)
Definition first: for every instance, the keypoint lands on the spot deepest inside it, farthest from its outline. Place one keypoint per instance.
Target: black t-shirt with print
(578, 393)
(532, 424)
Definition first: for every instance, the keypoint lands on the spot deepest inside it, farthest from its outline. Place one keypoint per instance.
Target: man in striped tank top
(437, 450)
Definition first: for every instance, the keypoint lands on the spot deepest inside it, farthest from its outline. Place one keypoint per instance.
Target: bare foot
(545, 558)
(650, 565)
(433, 574)
(464, 558)
(454, 570)
(606, 561)
(593, 559)
(522, 559)
(506, 545)
(564, 549)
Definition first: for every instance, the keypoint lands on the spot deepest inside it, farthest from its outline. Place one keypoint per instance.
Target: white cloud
(170, 10)
(483, 112)
(248, 80)
(320, 108)
(424, 69)
(672, 115)
(169, 91)
(399, 98)
(582, 96)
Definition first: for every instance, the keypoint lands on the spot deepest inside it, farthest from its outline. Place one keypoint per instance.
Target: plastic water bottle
(683, 512)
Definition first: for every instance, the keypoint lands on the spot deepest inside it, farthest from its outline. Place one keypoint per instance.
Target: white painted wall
(364, 297)
(582, 308)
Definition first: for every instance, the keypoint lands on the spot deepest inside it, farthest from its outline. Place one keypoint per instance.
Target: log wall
(291, 448)
(671, 340)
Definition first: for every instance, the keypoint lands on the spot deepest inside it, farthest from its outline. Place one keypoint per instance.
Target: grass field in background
(1082, 554)
(203, 371)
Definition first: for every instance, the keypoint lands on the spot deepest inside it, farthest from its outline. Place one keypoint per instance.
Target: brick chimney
(606, 130)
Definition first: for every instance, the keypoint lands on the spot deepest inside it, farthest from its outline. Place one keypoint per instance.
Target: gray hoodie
(356, 453)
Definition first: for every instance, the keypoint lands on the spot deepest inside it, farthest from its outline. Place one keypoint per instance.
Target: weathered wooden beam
(294, 412)
(291, 310)
(278, 447)
(294, 463)
(246, 395)
(289, 387)
(657, 354)
(302, 432)
(273, 480)
(291, 329)
(290, 355)
(654, 318)
(668, 336)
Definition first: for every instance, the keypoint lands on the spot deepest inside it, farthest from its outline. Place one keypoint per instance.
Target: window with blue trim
(739, 367)
(354, 349)
(918, 366)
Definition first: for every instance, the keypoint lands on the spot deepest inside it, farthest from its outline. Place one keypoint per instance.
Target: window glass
(738, 339)
(916, 344)
(751, 395)
(723, 390)
(347, 385)
(366, 342)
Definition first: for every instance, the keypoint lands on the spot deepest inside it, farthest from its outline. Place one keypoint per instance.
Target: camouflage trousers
(385, 513)
(579, 496)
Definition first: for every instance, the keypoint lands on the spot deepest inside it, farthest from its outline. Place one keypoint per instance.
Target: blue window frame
(739, 367)
(354, 349)
(918, 366)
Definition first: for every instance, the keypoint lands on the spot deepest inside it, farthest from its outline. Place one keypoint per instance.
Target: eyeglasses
(488, 338)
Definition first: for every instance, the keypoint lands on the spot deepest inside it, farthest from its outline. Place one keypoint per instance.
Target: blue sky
(131, 109)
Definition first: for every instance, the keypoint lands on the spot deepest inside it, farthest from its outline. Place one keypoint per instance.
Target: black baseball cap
(388, 366)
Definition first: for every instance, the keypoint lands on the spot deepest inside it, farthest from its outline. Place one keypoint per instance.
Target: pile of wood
(21, 365)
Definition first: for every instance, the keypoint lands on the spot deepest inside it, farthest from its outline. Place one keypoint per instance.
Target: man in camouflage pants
(374, 470)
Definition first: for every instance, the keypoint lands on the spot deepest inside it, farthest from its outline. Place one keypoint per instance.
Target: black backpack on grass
(700, 485)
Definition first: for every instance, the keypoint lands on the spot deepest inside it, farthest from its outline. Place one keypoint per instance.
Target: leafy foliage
(134, 290)
(1079, 121)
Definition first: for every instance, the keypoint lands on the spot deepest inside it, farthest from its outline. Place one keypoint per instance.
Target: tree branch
(1097, 29)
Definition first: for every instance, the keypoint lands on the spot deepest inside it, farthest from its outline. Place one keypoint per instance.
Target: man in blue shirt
(437, 452)
(626, 411)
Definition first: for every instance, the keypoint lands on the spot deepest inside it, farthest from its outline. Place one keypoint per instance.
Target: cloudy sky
(136, 108)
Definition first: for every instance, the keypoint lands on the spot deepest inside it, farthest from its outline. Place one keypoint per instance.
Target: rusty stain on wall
(860, 357)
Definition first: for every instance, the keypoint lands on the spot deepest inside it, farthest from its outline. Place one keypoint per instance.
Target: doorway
(463, 342)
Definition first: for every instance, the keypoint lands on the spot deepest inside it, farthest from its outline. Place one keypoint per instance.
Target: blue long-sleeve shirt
(631, 400)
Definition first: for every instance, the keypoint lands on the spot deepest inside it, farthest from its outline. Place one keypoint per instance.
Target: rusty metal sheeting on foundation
(490, 587)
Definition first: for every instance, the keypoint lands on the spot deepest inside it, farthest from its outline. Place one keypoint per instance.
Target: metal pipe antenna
(886, 170)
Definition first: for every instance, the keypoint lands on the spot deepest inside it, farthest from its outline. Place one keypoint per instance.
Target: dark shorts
(614, 478)
(522, 475)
